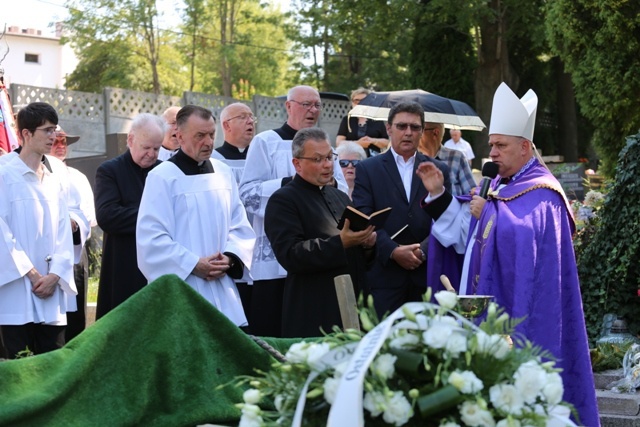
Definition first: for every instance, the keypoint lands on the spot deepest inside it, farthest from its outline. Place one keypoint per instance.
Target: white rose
(405, 324)
(374, 402)
(315, 354)
(506, 398)
(252, 396)
(447, 320)
(251, 416)
(466, 382)
(529, 380)
(495, 345)
(508, 423)
(553, 389)
(446, 299)
(422, 321)
(474, 416)
(405, 340)
(297, 353)
(445, 423)
(384, 366)
(330, 389)
(398, 410)
(456, 344)
(437, 335)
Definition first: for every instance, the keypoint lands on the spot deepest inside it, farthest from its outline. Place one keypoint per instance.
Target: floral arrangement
(424, 365)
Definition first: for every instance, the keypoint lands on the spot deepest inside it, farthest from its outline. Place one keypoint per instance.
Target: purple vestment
(523, 255)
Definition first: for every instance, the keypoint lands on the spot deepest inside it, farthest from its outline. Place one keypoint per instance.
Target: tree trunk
(567, 115)
(493, 69)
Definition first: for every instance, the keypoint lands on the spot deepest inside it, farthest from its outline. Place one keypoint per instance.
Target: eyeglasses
(330, 158)
(244, 118)
(308, 105)
(357, 100)
(404, 126)
(345, 163)
(426, 129)
(48, 130)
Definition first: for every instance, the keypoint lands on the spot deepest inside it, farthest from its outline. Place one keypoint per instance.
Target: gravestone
(571, 177)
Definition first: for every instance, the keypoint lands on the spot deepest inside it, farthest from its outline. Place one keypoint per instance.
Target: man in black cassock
(301, 222)
(119, 185)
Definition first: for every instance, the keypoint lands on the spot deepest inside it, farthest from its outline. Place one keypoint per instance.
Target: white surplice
(185, 217)
(77, 200)
(34, 222)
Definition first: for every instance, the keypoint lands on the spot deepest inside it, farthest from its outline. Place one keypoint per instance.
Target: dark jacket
(301, 223)
(378, 185)
(119, 185)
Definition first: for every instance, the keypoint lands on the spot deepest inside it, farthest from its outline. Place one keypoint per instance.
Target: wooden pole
(347, 302)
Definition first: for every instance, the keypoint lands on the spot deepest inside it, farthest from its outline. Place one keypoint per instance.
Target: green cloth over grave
(155, 360)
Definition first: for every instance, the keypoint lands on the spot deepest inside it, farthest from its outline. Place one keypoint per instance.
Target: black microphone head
(490, 170)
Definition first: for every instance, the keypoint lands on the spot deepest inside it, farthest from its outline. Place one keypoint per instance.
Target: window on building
(32, 57)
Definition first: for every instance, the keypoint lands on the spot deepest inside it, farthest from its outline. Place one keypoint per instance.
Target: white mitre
(513, 116)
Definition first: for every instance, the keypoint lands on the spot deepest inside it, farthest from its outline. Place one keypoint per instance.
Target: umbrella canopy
(454, 114)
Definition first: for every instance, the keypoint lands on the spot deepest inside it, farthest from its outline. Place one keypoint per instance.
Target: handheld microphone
(489, 171)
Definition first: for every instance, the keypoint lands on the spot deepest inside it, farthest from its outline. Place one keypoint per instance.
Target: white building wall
(55, 61)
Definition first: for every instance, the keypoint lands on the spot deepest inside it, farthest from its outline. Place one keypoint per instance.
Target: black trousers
(266, 308)
(246, 291)
(37, 337)
(76, 320)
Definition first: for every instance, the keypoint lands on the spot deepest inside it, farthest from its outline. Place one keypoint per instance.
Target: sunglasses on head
(345, 163)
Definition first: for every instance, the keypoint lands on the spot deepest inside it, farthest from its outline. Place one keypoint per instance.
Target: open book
(359, 221)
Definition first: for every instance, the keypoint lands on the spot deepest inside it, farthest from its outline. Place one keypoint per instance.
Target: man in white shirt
(191, 222)
(458, 143)
(36, 284)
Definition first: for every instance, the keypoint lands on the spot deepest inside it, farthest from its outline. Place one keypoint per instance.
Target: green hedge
(609, 259)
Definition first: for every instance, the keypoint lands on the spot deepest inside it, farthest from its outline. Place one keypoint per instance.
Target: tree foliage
(354, 43)
(599, 41)
(608, 266)
(231, 43)
(122, 24)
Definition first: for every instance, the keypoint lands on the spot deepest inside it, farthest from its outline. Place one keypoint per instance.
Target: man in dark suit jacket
(119, 185)
(399, 272)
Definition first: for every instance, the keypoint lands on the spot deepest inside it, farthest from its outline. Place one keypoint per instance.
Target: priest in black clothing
(119, 185)
(301, 222)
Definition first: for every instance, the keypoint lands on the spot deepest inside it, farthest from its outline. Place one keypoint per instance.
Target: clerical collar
(231, 152)
(303, 182)
(188, 166)
(286, 132)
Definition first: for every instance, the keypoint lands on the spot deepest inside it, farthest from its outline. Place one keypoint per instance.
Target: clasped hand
(44, 286)
(408, 257)
(212, 267)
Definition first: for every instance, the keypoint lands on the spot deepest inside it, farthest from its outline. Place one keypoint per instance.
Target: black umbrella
(437, 109)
